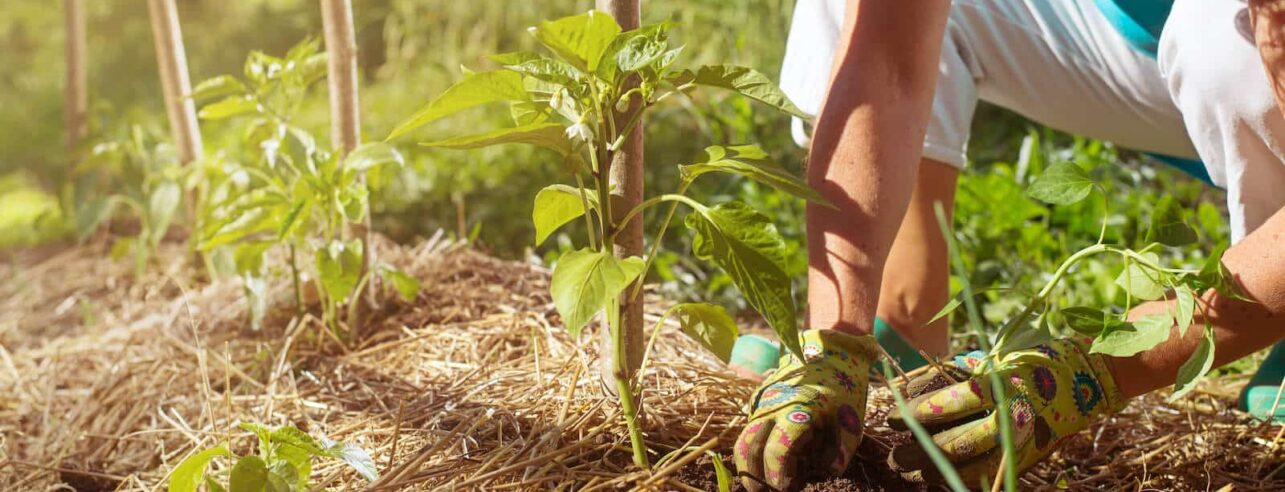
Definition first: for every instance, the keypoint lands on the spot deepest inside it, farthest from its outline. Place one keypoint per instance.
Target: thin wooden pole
(77, 89)
(171, 59)
(345, 125)
(627, 178)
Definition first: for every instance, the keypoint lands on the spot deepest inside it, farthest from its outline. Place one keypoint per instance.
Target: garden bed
(107, 381)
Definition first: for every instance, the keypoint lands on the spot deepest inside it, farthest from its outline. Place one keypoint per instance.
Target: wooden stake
(175, 84)
(627, 178)
(345, 126)
(76, 105)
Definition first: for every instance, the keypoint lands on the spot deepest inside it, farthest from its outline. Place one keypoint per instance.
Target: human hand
(816, 404)
(1053, 391)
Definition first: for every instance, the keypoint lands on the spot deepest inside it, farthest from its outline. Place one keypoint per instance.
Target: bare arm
(1257, 265)
(865, 153)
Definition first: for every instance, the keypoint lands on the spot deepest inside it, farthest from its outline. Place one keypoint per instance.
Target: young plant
(288, 191)
(283, 463)
(568, 102)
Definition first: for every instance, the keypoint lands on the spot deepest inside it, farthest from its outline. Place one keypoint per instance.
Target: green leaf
(746, 245)
(249, 257)
(579, 39)
(633, 50)
(1063, 183)
(294, 219)
(539, 67)
(555, 206)
(291, 435)
(585, 280)
(1168, 225)
(221, 86)
(1184, 308)
(212, 485)
(950, 307)
(528, 112)
(407, 286)
(372, 155)
(339, 266)
(473, 90)
(187, 475)
(721, 474)
(548, 135)
(708, 324)
(354, 456)
(1022, 337)
(752, 162)
(161, 206)
(283, 476)
(744, 81)
(92, 214)
(1126, 339)
(229, 107)
(1196, 366)
(249, 475)
(1086, 320)
(1141, 281)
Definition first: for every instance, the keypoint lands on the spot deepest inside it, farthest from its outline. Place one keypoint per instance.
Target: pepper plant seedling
(283, 463)
(567, 102)
(290, 191)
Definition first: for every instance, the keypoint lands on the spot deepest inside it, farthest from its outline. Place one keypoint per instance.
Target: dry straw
(107, 381)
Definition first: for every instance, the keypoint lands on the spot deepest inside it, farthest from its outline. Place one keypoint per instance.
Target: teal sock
(1259, 396)
(906, 355)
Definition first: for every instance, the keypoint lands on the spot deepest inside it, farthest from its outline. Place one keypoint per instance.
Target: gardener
(885, 149)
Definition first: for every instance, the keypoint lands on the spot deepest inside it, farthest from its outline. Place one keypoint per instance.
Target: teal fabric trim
(1193, 167)
(906, 355)
(1259, 395)
(1139, 21)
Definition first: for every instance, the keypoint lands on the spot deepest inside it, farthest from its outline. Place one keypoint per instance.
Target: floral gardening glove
(1053, 391)
(817, 405)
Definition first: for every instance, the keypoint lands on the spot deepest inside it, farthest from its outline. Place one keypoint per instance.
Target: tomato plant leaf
(579, 39)
(250, 474)
(708, 324)
(373, 155)
(555, 206)
(1195, 367)
(1063, 183)
(221, 86)
(473, 90)
(1141, 279)
(187, 475)
(548, 135)
(751, 162)
(746, 245)
(1168, 226)
(229, 107)
(1126, 339)
(741, 80)
(585, 280)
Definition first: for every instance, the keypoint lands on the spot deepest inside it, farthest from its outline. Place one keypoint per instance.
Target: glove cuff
(1097, 364)
(863, 349)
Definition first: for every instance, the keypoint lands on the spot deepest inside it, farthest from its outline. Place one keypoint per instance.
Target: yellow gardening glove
(806, 410)
(1052, 391)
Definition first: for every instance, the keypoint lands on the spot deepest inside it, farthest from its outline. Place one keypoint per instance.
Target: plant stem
(294, 277)
(660, 235)
(584, 202)
(624, 388)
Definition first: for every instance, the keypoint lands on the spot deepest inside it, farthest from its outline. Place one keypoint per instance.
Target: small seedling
(283, 463)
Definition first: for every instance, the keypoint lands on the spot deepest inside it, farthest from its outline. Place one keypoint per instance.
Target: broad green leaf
(1196, 366)
(1168, 226)
(539, 67)
(291, 435)
(1023, 337)
(746, 245)
(1063, 183)
(249, 257)
(250, 221)
(752, 162)
(528, 112)
(473, 90)
(373, 155)
(221, 86)
(284, 477)
(548, 135)
(339, 266)
(708, 324)
(229, 107)
(187, 475)
(1086, 320)
(1140, 281)
(92, 214)
(632, 50)
(212, 485)
(1184, 308)
(261, 431)
(744, 81)
(250, 474)
(1126, 339)
(354, 456)
(294, 219)
(406, 285)
(555, 206)
(585, 280)
(579, 39)
(161, 206)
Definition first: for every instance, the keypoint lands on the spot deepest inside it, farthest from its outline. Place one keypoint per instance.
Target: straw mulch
(107, 381)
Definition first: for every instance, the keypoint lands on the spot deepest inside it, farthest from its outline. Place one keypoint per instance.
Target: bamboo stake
(171, 59)
(77, 89)
(627, 178)
(345, 125)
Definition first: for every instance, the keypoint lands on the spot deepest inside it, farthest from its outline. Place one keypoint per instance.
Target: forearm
(865, 151)
(1268, 18)
(1257, 266)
